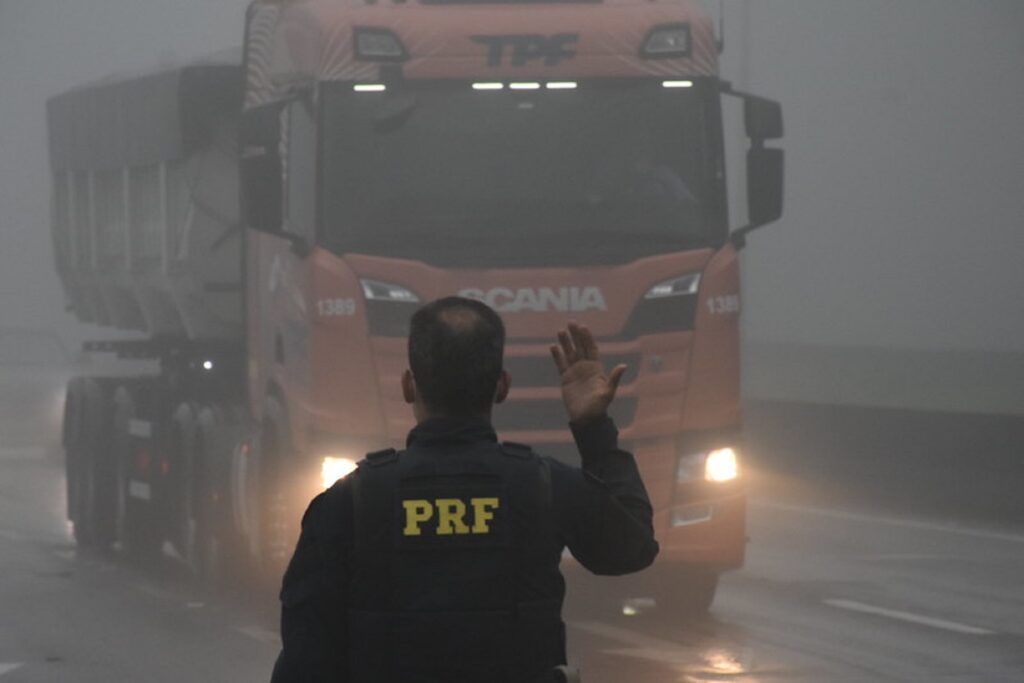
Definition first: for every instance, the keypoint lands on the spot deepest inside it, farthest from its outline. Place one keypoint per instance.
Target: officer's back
(440, 563)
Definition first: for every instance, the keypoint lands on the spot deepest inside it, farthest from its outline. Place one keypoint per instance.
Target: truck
(262, 225)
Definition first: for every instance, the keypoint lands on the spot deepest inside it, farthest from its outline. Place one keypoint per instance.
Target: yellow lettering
(416, 512)
(450, 514)
(483, 513)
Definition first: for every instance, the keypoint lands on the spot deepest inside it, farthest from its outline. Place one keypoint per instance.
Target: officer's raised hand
(586, 389)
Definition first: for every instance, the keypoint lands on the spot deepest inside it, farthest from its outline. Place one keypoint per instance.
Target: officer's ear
(408, 387)
(504, 384)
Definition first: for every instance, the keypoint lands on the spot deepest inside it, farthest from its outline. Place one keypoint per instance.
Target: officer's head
(455, 359)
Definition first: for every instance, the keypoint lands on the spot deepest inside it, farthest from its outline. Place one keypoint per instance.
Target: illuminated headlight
(668, 41)
(684, 285)
(721, 465)
(334, 468)
(380, 45)
(384, 291)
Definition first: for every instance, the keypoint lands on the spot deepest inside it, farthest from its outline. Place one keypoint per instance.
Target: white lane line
(908, 616)
(8, 667)
(260, 634)
(892, 521)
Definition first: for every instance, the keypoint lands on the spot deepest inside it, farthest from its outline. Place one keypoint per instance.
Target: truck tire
(194, 539)
(277, 519)
(219, 431)
(90, 471)
(684, 591)
(135, 525)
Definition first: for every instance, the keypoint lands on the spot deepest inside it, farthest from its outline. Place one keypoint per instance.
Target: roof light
(562, 85)
(524, 86)
(677, 84)
(378, 45)
(667, 41)
(488, 86)
(369, 87)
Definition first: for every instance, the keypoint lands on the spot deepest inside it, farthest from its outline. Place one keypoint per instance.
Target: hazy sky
(904, 222)
(905, 201)
(47, 46)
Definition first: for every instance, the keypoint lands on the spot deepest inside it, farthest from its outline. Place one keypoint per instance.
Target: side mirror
(765, 173)
(262, 197)
(762, 118)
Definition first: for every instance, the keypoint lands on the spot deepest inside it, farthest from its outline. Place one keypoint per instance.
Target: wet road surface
(827, 595)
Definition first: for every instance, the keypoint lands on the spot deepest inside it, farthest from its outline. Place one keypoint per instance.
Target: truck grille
(539, 371)
(549, 415)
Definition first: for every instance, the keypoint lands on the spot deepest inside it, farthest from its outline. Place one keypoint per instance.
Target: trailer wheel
(199, 542)
(273, 511)
(277, 521)
(90, 477)
(134, 524)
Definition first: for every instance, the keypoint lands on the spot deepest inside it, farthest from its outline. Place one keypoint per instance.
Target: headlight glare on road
(334, 468)
(721, 465)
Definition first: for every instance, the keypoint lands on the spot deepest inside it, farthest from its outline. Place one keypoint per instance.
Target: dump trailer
(268, 223)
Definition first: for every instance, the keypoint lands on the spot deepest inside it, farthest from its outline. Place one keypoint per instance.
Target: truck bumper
(697, 523)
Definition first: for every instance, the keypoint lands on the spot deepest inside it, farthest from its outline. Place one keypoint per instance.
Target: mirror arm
(299, 246)
(738, 237)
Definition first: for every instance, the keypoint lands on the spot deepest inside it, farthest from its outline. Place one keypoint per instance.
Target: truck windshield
(444, 173)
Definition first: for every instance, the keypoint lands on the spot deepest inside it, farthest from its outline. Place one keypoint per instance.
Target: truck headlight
(718, 465)
(721, 465)
(334, 468)
(684, 285)
(388, 308)
(375, 290)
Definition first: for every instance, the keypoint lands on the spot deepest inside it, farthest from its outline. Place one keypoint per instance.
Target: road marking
(892, 521)
(908, 616)
(260, 634)
(8, 667)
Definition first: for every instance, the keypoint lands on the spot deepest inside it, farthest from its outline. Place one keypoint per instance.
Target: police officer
(440, 563)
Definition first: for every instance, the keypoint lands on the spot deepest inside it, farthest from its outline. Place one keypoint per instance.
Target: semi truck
(260, 226)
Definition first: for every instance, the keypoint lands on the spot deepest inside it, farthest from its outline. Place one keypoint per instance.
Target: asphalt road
(827, 595)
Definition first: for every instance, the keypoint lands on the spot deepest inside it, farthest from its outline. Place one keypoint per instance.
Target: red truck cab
(557, 161)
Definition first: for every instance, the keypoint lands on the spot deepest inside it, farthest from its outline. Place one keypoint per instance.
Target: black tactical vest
(454, 567)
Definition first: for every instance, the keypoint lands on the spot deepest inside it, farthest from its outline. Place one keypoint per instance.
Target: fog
(51, 46)
(903, 203)
(882, 375)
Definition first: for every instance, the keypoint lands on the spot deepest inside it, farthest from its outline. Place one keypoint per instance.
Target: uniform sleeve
(313, 618)
(603, 508)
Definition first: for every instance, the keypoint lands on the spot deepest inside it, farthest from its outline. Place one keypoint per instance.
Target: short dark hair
(455, 353)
